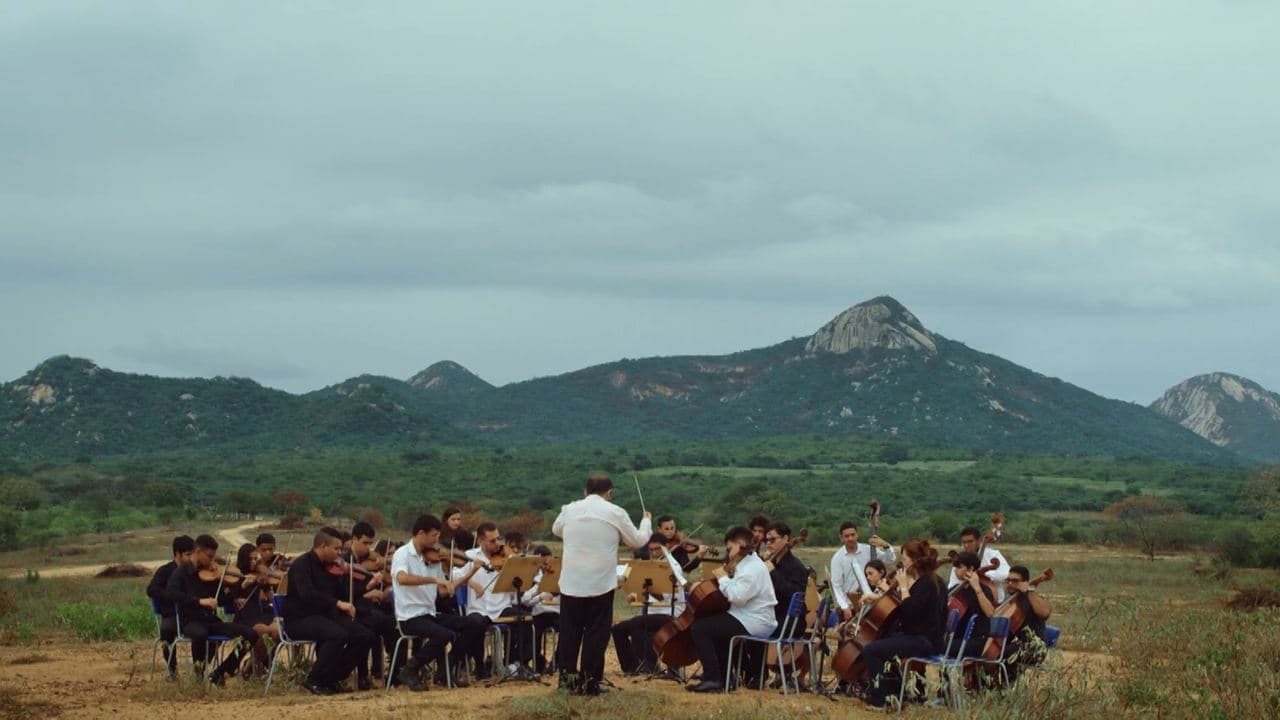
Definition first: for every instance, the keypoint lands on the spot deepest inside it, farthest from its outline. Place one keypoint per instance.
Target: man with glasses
(1027, 646)
(970, 541)
(788, 576)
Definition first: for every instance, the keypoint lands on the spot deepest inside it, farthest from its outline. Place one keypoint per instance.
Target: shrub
(97, 623)
(1237, 547)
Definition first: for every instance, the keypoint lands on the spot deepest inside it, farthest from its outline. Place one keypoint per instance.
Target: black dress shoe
(412, 679)
(316, 688)
(364, 683)
(706, 686)
(339, 688)
(593, 689)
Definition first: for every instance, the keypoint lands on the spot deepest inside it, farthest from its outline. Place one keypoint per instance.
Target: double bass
(870, 626)
(673, 643)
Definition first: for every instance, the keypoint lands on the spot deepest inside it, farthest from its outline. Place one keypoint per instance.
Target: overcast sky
(300, 192)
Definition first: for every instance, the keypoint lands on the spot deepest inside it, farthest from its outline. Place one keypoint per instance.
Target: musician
(592, 528)
(665, 526)
(254, 603)
(919, 619)
(970, 541)
(315, 610)
(759, 525)
(265, 545)
(417, 584)
(157, 589)
(751, 603)
(877, 579)
(1027, 647)
(369, 597)
(516, 543)
(848, 576)
(977, 597)
(632, 637)
(485, 606)
(457, 540)
(545, 609)
(197, 602)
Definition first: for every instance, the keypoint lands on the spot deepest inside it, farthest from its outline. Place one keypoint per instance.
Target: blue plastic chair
(793, 619)
(946, 662)
(169, 647)
(999, 631)
(277, 608)
(215, 641)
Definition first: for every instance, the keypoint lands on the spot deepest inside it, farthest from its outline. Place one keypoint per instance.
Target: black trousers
(541, 624)
(584, 630)
(169, 633)
(199, 632)
(440, 630)
(518, 635)
(633, 641)
(711, 639)
(383, 626)
(877, 655)
(341, 645)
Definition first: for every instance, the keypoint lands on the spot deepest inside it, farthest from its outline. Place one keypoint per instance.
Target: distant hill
(67, 407)
(873, 370)
(1229, 411)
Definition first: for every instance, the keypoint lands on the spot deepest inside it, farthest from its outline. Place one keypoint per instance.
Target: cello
(869, 626)
(673, 643)
(1017, 618)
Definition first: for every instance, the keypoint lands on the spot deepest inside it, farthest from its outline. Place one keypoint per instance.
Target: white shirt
(413, 600)
(997, 576)
(750, 596)
(849, 571)
(480, 598)
(592, 528)
(660, 603)
(532, 598)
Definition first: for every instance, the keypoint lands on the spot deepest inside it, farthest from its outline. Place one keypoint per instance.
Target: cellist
(976, 599)
(847, 567)
(751, 601)
(1026, 648)
(919, 618)
(972, 541)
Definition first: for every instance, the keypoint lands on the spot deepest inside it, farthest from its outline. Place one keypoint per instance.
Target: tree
(21, 493)
(1146, 520)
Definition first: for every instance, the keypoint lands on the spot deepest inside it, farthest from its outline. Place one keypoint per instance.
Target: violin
(499, 561)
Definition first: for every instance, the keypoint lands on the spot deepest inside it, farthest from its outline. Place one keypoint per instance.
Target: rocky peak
(881, 322)
(1227, 410)
(449, 376)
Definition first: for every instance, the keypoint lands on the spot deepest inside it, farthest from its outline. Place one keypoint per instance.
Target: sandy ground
(110, 680)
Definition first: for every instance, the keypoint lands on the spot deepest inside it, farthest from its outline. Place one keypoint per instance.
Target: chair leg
(391, 666)
(728, 665)
(271, 672)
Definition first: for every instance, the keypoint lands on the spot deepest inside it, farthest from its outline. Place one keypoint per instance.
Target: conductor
(591, 528)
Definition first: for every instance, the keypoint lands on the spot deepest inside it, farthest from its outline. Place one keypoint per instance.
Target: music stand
(642, 578)
(518, 573)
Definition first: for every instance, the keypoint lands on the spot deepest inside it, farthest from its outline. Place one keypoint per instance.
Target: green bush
(96, 623)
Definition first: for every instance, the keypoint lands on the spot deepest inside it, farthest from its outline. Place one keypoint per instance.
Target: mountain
(873, 370)
(1227, 410)
(67, 407)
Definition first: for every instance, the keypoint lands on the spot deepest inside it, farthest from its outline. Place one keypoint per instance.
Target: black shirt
(923, 611)
(1035, 622)
(158, 589)
(312, 590)
(187, 589)
(982, 625)
(789, 576)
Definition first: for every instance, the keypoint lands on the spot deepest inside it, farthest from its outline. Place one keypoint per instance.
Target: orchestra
(355, 595)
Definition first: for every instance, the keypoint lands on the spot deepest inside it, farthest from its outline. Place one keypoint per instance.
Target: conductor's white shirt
(592, 528)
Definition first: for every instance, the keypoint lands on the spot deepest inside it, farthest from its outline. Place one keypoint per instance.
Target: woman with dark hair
(878, 580)
(919, 620)
(456, 538)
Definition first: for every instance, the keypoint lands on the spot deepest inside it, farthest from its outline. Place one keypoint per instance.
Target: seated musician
(847, 564)
(417, 583)
(1026, 647)
(971, 541)
(157, 589)
(545, 609)
(977, 598)
(918, 630)
(759, 525)
(877, 581)
(788, 576)
(254, 602)
(632, 638)
(751, 602)
(198, 599)
(457, 540)
(265, 544)
(369, 597)
(316, 609)
(486, 606)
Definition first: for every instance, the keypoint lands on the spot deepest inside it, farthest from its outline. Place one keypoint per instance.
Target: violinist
(198, 589)
(751, 609)
(254, 604)
(687, 553)
(1027, 647)
(157, 589)
(456, 539)
(544, 608)
(418, 582)
(369, 597)
(485, 606)
(592, 528)
(631, 637)
(759, 525)
(919, 619)
(972, 541)
(975, 599)
(316, 609)
(265, 544)
(848, 578)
